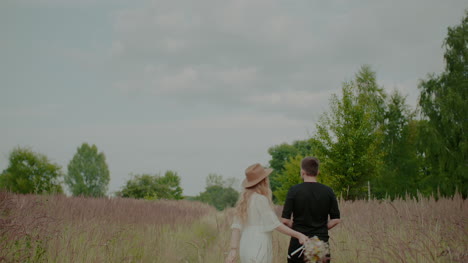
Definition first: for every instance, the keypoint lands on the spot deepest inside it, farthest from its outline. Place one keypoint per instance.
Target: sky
(198, 87)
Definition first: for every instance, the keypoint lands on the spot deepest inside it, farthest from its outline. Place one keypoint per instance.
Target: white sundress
(256, 234)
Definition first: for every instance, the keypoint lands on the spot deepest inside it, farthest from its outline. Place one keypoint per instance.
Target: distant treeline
(88, 175)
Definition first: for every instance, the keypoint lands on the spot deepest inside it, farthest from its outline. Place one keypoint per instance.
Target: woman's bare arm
(287, 222)
(234, 245)
(288, 231)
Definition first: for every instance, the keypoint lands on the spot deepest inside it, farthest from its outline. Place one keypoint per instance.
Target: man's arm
(334, 212)
(332, 223)
(287, 213)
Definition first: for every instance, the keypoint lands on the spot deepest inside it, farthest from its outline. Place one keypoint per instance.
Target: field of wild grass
(71, 229)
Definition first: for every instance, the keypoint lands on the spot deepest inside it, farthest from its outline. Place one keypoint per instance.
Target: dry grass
(63, 229)
(402, 231)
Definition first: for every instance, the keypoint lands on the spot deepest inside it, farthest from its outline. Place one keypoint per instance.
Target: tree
(31, 172)
(443, 102)
(153, 187)
(349, 137)
(88, 173)
(215, 179)
(281, 154)
(172, 181)
(218, 193)
(219, 196)
(400, 173)
(288, 177)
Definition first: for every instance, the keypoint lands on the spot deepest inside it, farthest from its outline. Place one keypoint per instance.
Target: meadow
(37, 228)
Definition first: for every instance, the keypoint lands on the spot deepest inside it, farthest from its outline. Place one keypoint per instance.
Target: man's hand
(332, 223)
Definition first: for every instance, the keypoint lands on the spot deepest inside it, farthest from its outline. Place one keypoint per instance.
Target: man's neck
(310, 179)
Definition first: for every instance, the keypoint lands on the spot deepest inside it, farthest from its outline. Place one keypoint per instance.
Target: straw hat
(254, 174)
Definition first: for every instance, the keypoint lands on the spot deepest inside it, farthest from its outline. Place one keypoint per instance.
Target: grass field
(64, 229)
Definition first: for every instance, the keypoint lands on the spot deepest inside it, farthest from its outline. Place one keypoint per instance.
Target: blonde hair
(242, 205)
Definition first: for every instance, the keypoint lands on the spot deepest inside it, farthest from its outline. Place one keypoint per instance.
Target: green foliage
(219, 197)
(153, 187)
(368, 136)
(281, 154)
(349, 137)
(443, 103)
(289, 176)
(31, 172)
(88, 173)
(214, 179)
(172, 181)
(400, 174)
(218, 192)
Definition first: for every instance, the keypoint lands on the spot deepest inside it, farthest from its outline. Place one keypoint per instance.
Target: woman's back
(256, 239)
(260, 214)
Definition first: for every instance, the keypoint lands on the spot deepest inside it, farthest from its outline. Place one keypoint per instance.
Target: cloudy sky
(198, 87)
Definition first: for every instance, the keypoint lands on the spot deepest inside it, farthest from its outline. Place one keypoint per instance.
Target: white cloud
(290, 99)
(40, 111)
(191, 82)
(63, 3)
(308, 47)
(117, 48)
(182, 81)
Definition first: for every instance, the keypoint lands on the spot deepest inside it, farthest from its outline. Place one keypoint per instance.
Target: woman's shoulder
(260, 197)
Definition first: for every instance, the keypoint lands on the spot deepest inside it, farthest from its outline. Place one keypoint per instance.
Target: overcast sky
(198, 87)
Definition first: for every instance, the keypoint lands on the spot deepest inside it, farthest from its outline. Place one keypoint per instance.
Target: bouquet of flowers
(315, 250)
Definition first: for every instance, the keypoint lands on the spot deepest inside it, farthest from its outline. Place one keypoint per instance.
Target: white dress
(256, 234)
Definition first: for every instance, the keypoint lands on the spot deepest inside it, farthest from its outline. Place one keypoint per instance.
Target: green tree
(153, 187)
(172, 181)
(88, 173)
(215, 179)
(400, 173)
(218, 192)
(219, 197)
(349, 137)
(281, 154)
(31, 172)
(288, 177)
(443, 102)
(143, 186)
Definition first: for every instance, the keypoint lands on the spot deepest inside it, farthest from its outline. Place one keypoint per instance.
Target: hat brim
(247, 184)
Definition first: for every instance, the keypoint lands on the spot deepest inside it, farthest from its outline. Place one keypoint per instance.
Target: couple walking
(311, 209)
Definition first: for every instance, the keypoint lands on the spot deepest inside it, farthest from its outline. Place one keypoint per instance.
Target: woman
(255, 220)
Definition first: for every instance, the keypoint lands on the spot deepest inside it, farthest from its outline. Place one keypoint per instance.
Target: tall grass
(64, 229)
(403, 231)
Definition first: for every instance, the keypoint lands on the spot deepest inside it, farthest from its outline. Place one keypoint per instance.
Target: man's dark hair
(310, 165)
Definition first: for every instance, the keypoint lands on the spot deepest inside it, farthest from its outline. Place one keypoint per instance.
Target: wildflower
(315, 250)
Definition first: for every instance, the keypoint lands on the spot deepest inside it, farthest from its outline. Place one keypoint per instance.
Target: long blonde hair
(242, 205)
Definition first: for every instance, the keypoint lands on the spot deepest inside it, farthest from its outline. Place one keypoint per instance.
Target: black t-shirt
(310, 204)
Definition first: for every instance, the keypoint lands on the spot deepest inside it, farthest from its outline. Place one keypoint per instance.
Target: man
(310, 204)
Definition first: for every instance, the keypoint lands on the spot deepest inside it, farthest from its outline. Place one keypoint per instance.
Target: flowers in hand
(315, 250)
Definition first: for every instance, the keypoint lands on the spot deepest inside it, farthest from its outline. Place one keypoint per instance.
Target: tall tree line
(371, 140)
